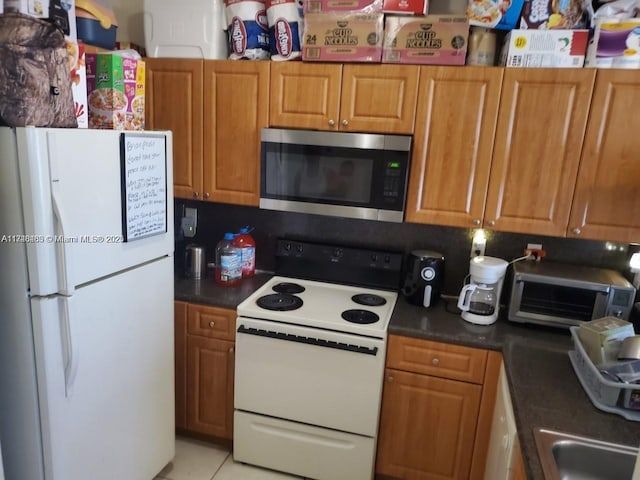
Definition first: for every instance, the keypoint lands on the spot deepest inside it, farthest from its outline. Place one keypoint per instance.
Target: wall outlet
(189, 222)
(536, 250)
(478, 244)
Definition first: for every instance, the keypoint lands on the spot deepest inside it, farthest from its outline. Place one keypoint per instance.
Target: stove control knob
(337, 253)
(374, 257)
(299, 249)
(287, 246)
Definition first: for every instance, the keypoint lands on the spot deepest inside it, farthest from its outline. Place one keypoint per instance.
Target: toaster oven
(563, 295)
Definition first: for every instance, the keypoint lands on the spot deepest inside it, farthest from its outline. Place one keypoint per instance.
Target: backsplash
(214, 219)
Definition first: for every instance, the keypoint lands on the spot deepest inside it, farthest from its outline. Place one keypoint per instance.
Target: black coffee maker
(424, 276)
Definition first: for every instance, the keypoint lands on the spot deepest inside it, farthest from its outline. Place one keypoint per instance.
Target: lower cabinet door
(427, 427)
(210, 365)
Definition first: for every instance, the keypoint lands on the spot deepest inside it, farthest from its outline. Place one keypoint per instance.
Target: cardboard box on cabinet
(116, 91)
(341, 6)
(342, 37)
(544, 48)
(406, 7)
(615, 44)
(431, 40)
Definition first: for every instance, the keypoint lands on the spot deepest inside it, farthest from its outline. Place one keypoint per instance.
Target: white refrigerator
(86, 304)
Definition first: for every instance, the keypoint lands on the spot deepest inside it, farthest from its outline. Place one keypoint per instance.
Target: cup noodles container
(342, 37)
(615, 44)
(499, 14)
(431, 40)
(406, 7)
(545, 48)
(341, 6)
(554, 15)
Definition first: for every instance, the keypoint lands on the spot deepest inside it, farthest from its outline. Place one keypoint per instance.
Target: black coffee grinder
(424, 276)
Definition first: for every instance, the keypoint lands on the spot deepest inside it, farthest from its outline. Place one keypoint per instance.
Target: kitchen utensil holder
(603, 393)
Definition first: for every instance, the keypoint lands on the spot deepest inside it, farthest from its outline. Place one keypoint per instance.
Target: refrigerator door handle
(71, 365)
(64, 277)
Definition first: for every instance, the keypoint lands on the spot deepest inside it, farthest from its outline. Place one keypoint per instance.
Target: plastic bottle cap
(229, 236)
(245, 230)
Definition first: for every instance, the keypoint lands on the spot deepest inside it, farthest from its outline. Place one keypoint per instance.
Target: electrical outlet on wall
(536, 250)
(189, 222)
(478, 243)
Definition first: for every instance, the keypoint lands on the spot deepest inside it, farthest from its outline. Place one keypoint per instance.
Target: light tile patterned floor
(197, 460)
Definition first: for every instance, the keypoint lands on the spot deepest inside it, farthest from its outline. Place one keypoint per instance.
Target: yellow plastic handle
(103, 15)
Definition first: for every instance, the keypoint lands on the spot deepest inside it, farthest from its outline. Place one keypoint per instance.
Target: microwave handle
(567, 282)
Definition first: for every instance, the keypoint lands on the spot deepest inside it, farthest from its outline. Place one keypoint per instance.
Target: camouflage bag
(35, 80)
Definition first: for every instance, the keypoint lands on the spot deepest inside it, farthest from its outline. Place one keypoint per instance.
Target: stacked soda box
(116, 88)
(388, 31)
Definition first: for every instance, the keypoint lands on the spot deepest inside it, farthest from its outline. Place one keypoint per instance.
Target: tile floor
(196, 460)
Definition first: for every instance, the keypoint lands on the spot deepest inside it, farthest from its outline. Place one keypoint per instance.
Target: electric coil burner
(363, 317)
(308, 380)
(369, 299)
(282, 302)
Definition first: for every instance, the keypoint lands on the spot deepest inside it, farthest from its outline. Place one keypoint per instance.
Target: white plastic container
(189, 29)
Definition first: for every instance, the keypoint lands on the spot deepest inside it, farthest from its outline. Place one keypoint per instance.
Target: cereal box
(343, 37)
(499, 14)
(116, 91)
(545, 48)
(407, 7)
(615, 44)
(433, 40)
(77, 62)
(342, 6)
(555, 14)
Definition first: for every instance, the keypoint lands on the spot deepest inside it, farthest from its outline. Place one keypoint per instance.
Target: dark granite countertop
(544, 389)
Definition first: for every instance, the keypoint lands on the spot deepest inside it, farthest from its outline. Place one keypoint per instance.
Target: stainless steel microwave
(357, 175)
(563, 295)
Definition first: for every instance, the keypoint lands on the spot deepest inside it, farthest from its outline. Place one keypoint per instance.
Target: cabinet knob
(491, 223)
(576, 231)
(435, 361)
(389, 378)
(331, 123)
(231, 350)
(206, 195)
(196, 194)
(345, 123)
(476, 221)
(212, 323)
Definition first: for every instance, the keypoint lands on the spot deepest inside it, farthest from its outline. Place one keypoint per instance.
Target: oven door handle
(308, 340)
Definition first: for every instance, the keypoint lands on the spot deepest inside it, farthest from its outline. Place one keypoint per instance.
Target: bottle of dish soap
(228, 262)
(247, 245)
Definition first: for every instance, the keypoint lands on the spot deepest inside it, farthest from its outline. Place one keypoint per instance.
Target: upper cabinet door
(606, 204)
(174, 102)
(541, 124)
(455, 125)
(236, 105)
(379, 98)
(305, 95)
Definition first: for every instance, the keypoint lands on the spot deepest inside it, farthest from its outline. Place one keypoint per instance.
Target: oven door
(308, 375)
(353, 175)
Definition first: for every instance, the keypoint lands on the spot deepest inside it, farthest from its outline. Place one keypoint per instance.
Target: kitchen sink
(568, 457)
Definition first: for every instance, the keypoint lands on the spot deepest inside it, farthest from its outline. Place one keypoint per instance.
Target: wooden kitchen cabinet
(537, 147)
(215, 109)
(236, 108)
(436, 410)
(606, 203)
(453, 145)
(174, 102)
(205, 360)
(356, 98)
(180, 359)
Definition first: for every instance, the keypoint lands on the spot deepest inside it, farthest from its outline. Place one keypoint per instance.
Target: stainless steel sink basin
(569, 457)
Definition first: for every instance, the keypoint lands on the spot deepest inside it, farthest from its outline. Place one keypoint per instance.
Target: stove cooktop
(323, 305)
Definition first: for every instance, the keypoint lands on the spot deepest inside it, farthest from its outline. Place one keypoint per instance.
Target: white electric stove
(310, 361)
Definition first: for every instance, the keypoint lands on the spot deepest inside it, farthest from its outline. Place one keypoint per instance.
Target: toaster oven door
(556, 304)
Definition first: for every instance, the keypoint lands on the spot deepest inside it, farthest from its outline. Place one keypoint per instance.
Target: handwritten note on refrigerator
(144, 185)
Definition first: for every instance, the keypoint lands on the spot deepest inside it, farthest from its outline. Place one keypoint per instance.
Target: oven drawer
(309, 375)
(302, 449)
(438, 359)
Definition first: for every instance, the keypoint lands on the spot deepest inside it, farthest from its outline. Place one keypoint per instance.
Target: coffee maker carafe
(480, 299)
